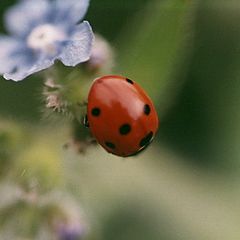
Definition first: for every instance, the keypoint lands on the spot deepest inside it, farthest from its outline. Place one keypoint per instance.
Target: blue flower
(43, 31)
(70, 231)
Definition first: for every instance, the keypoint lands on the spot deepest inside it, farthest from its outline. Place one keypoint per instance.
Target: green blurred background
(186, 54)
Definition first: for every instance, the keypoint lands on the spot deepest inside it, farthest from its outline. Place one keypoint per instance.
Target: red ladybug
(121, 116)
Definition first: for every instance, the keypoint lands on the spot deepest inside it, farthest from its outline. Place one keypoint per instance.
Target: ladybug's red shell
(121, 116)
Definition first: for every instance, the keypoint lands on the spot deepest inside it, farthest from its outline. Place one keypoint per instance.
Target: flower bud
(102, 57)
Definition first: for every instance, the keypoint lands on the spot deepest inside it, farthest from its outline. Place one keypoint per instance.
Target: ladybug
(120, 115)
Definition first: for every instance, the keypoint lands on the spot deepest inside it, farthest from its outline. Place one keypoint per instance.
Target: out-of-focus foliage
(204, 121)
(185, 186)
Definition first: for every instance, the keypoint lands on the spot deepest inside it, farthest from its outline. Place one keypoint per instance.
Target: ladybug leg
(85, 121)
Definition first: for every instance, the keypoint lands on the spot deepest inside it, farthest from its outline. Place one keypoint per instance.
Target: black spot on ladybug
(96, 112)
(125, 129)
(129, 81)
(110, 145)
(147, 109)
(146, 140)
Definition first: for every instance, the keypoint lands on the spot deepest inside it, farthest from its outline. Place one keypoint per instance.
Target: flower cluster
(42, 31)
(39, 33)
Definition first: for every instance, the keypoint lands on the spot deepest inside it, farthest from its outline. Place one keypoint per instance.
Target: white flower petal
(20, 18)
(24, 70)
(78, 48)
(71, 11)
(8, 45)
